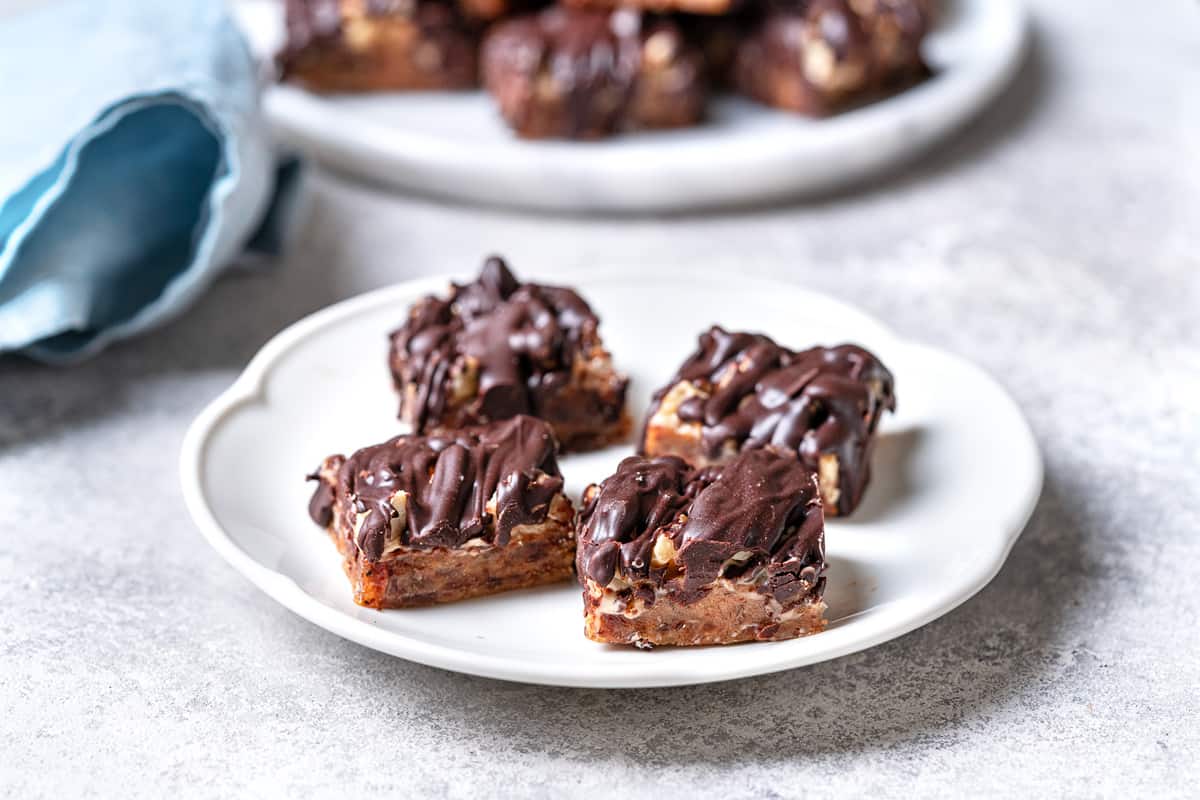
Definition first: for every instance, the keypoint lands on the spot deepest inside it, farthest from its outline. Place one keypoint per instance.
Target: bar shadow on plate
(848, 594)
(991, 653)
(849, 587)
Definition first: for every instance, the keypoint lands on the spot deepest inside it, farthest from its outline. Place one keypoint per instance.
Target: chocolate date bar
(740, 391)
(816, 58)
(674, 555)
(432, 519)
(896, 29)
(377, 45)
(496, 348)
(568, 73)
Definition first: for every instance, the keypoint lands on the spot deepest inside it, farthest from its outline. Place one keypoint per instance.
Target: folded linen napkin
(134, 166)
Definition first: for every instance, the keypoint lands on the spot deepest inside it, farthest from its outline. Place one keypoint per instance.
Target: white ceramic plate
(956, 475)
(454, 144)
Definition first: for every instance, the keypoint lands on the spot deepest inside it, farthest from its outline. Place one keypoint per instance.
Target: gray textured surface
(1057, 244)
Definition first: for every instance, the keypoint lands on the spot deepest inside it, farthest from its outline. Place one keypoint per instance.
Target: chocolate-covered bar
(432, 519)
(817, 57)
(896, 29)
(496, 348)
(569, 73)
(740, 391)
(373, 45)
(671, 555)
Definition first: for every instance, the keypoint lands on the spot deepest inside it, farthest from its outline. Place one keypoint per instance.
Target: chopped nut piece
(827, 470)
(664, 551)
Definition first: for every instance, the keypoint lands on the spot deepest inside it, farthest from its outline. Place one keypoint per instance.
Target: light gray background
(1057, 243)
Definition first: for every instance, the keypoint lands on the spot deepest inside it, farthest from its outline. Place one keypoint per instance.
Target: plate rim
(249, 388)
(424, 162)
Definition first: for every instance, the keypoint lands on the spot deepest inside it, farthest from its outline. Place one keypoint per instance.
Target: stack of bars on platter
(587, 69)
(712, 533)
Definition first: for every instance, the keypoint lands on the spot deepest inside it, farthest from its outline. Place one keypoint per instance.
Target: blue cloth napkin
(133, 167)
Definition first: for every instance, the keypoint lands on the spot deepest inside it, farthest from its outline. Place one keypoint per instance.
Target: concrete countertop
(1056, 243)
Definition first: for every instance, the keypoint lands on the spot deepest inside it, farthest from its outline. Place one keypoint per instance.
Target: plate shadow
(992, 652)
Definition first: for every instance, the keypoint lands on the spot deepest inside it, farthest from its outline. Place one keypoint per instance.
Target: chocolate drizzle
(320, 507)
(596, 56)
(587, 73)
(758, 517)
(590, 57)
(812, 402)
(515, 346)
(819, 56)
(449, 480)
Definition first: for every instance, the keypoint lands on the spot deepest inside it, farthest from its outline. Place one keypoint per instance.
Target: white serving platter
(454, 145)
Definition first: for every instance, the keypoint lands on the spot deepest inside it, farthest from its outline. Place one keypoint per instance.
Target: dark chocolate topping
(820, 400)
(523, 340)
(590, 54)
(449, 480)
(762, 507)
(590, 57)
(819, 56)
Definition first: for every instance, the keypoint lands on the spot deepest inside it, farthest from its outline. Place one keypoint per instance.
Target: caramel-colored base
(786, 89)
(683, 441)
(668, 91)
(426, 576)
(578, 439)
(727, 614)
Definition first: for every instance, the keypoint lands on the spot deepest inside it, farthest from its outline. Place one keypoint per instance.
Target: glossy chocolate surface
(820, 56)
(517, 345)
(811, 402)
(583, 74)
(449, 480)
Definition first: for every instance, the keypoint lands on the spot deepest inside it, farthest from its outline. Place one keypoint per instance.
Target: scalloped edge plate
(957, 473)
